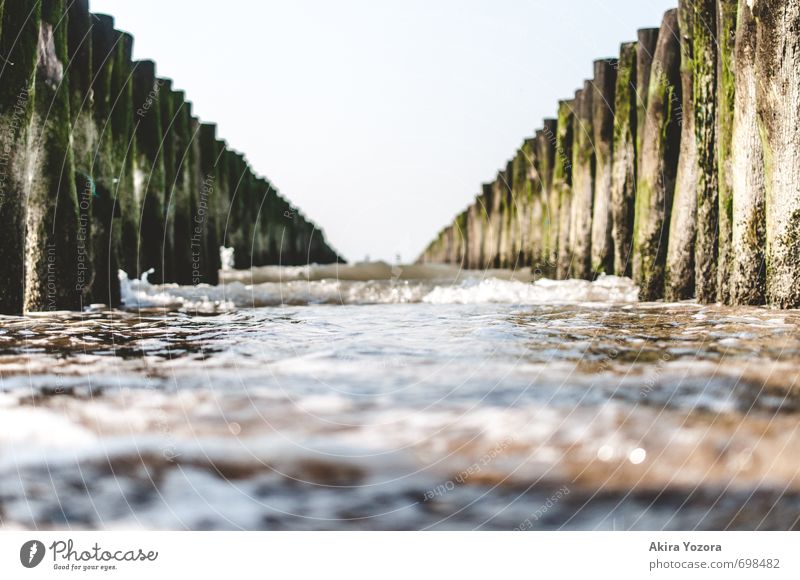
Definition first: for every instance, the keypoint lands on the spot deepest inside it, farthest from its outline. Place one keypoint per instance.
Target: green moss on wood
(623, 187)
(583, 160)
(51, 244)
(18, 45)
(603, 114)
(705, 126)
(726, 95)
(658, 165)
(647, 40)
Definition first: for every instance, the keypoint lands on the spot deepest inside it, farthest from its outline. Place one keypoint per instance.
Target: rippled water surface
(400, 404)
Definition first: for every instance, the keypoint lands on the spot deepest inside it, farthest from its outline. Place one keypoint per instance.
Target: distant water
(419, 397)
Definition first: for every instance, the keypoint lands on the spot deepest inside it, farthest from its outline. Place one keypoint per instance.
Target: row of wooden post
(678, 164)
(103, 167)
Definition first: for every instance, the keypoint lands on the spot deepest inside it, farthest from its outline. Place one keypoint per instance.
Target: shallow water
(400, 399)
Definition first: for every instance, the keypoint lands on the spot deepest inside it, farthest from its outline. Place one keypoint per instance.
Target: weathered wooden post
(205, 214)
(504, 217)
(19, 52)
(246, 215)
(582, 185)
(623, 180)
(659, 160)
(250, 219)
(522, 205)
(645, 52)
(603, 101)
(219, 210)
(491, 200)
(726, 95)
(124, 143)
(84, 136)
(150, 173)
(449, 245)
(531, 190)
(51, 246)
(475, 235)
(748, 233)
(182, 198)
(237, 235)
(288, 234)
(231, 179)
(545, 162)
(274, 221)
(680, 271)
(169, 115)
(195, 190)
(778, 104)
(705, 121)
(562, 183)
(104, 168)
(463, 239)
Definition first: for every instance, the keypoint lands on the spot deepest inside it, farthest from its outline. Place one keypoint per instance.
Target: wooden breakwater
(677, 164)
(104, 167)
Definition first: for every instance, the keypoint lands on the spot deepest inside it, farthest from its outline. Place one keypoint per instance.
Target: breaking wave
(371, 283)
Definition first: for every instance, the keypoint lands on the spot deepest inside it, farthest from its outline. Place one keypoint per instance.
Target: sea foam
(373, 283)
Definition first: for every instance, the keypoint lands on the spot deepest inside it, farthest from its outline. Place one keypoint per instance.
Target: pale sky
(379, 118)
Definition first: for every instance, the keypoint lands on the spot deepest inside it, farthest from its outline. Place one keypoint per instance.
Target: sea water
(399, 397)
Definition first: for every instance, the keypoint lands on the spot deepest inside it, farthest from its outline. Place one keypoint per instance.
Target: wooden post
(562, 183)
(205, 215)
(220, 207)
(19, 43)
(726, 95)
(645, 52)
(461, 230)
(545, 162)
(680, 271)
(705, 121)
(778, 103)
(623, 182)
(126, 238)
(522, 204)
(272, 232)
(84, 136)
(247, 215)
(104, 169)
(234, 235)
(195, 192)
(582, 185)
(659, 160)
(532, 194)
(170, 115)
(475, 235)
(603, 101)
(182, 190)
(490, 213)
(149, 177)
(506, 218)
(748, 234)
(51, 245)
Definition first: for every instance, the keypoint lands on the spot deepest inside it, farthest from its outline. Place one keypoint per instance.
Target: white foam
(26, 428)
(605, 289)
(226, 257)
(376, 283)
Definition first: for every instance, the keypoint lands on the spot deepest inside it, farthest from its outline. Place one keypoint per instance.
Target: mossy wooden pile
(19, 57)
(103, 167)
(604, 88)
(624, 148)
(680, 168)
